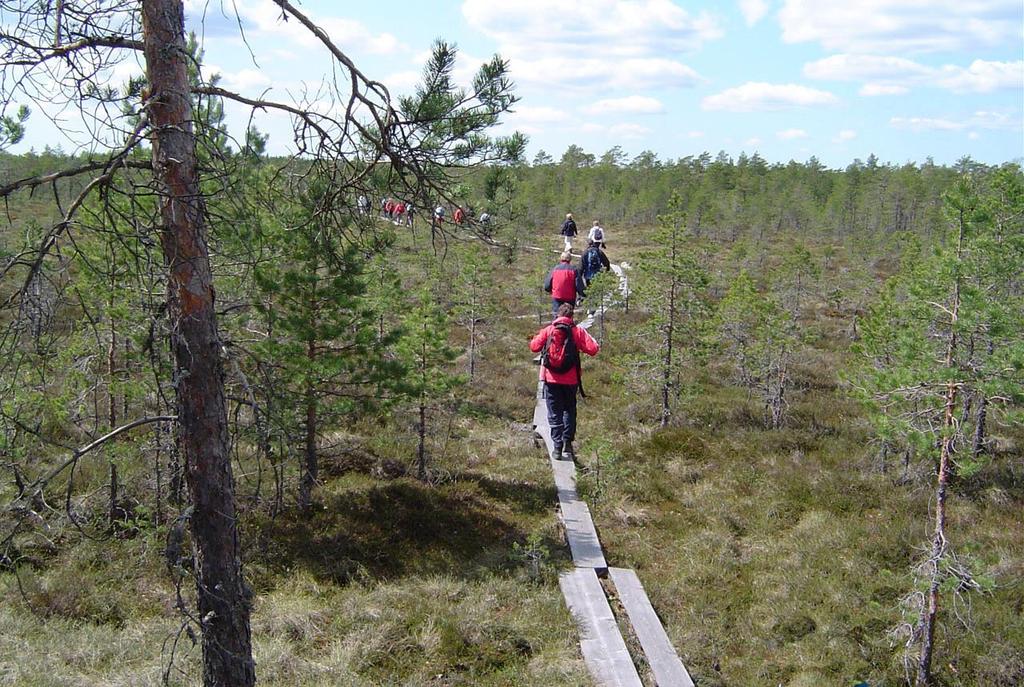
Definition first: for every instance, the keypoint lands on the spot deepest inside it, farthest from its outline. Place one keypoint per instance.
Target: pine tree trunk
(978, 443)
(931, 608)
(666, 377)
(929, 612)
(310, 469)
(111, 372)
(111, 366)
(421, 448)
(112, 517)
(472, 345)
(223, 598)
(666, 372)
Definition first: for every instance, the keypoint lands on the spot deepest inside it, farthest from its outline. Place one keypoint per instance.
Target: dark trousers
(561, 403)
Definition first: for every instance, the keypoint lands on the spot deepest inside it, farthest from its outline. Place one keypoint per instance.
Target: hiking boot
(568, 453)
(556, 451)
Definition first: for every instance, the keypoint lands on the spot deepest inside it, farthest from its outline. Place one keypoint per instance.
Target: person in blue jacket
(593, 261)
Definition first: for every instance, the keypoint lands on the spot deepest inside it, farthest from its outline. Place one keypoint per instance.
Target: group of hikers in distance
(561, 342)
(403, 212)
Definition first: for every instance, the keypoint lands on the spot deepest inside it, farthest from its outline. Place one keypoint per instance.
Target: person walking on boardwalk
(593, 261)
(568, 230)
(560, 344)
(564, 283)
(596, 234)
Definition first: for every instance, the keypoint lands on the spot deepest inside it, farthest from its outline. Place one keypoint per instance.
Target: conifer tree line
(189, 323)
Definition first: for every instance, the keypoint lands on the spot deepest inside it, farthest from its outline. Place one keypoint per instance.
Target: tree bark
(309, 473)
(931, 608)
(472, 343)
(666, 372)
(421, 448)
(113, 515)
(223, 598)
(930, 611)
(978, 443)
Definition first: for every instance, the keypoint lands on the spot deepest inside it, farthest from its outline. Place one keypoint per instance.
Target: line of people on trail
(403, 212)
(395, 211)
(561, 342)
(460, 216)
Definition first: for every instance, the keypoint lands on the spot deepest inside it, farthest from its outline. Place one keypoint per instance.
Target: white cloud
(627, 130)
(997, 120)
(594, 45)
(791, 134)
(404, 82)
(695, 134)
(538, 115)
(876, 89)
(846, 67)
(580, 74)
(759, 96)
(264, 28)
(753, 10)
(925, 124)
(845, 135)
(982, 119)
(983, 77)
(243, 80)
(637, 104)
(974, 135)
(615, 131)
(894, 75)
(754, 141)
(900, 26)
(641, 27)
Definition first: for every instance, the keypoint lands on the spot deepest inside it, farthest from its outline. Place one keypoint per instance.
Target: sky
(788, 79)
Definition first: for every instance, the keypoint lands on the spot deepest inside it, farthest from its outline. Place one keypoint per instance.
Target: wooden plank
(666, 665)
(583, 541)
(565, 478)
(604, 650)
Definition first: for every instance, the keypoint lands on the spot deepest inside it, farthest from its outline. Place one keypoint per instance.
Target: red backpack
(560, 353)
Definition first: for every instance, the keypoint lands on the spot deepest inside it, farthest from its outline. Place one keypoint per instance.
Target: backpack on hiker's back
(560, 353)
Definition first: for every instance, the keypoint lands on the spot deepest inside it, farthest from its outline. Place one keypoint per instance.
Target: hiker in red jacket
(564, 283)
(560, 370)
(459, 215)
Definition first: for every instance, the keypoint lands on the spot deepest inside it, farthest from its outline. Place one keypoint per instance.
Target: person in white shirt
(596, 234)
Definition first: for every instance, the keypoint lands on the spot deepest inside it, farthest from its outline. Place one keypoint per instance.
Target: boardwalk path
(604, 650)
(601, 642)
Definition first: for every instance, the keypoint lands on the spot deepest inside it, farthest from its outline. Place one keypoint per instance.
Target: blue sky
(837, 79)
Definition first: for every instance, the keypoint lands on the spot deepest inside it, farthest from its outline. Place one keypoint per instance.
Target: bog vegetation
(803, 430)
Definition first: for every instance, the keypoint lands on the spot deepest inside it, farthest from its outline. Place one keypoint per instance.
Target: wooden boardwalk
(661, 657)
(604, 650)
(601, 643)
